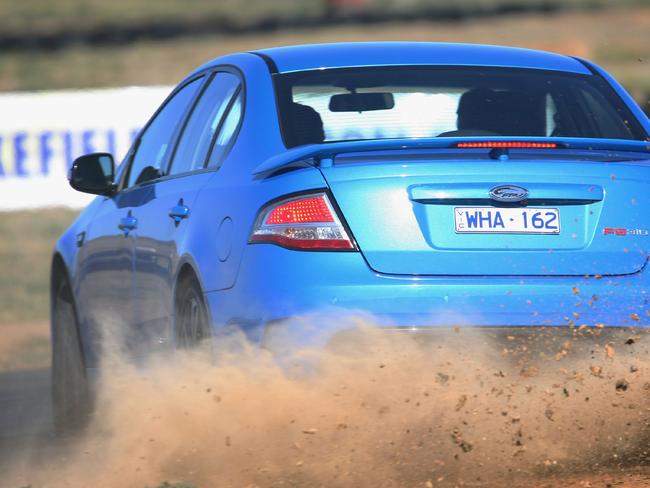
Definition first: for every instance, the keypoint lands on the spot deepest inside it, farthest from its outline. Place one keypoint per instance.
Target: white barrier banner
(42, 133)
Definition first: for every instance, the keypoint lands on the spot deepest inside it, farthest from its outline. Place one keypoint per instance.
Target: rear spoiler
(325, 153)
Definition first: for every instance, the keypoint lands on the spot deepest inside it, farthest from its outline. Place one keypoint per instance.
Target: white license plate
(492, 220)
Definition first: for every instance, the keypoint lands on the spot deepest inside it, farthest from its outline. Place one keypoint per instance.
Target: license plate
(491, 220)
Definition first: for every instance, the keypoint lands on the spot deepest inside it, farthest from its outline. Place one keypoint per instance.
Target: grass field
(62, 15)
(59, 15)
(26, 247)
(618, 38)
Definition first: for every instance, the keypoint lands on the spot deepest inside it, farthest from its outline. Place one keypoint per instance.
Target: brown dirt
(25, 345)
(374, 409)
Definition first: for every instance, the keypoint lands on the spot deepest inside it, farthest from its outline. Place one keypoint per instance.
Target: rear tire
(71, 403)
(191, 323)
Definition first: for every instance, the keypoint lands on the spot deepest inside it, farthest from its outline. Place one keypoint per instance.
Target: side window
(156, 141)
(203, 123)
(224, 139)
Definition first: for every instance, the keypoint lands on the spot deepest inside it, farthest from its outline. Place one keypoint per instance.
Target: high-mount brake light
(307, 222)
(507, 145)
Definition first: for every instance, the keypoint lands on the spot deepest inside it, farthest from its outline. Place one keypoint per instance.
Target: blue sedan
(430, 185)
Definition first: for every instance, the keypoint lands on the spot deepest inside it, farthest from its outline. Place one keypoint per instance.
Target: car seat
(305, 126)
(507, 112)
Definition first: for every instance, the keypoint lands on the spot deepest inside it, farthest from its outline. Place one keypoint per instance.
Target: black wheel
(192, 326)
(71, 402)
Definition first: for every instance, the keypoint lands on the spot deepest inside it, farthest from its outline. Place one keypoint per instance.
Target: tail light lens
(307, 222)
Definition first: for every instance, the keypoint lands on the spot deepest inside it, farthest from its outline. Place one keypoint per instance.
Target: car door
(164, 220)
(105, 286)
(152, 150)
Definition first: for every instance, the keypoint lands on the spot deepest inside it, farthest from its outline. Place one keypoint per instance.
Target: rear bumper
(275, 283)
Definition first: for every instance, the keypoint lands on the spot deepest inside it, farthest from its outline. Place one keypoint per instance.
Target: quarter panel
(225, 209)
(223, 217)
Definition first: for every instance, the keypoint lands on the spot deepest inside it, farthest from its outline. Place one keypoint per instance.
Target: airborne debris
(596, 371)
(477, 411)
(622, 385)
(442, 378)
(529, 371)
(461, 402)
(548, 413)
(457, 437)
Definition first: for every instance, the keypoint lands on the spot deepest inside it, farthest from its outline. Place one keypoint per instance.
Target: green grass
(618, 38)
(26, 245)
(62, 15)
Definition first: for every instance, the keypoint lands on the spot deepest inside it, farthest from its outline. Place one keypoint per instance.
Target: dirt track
(24, 414)
(260, 414)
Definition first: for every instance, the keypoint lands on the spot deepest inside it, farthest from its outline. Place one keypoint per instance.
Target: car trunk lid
(430, 212)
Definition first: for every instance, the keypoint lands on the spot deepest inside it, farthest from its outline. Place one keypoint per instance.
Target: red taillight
(507, 145)
(307, 222)
(305, 210)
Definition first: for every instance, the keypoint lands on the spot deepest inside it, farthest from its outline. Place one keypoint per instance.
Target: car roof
(340, 55)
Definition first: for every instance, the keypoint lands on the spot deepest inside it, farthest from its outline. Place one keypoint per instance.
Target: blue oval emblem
(508, 193)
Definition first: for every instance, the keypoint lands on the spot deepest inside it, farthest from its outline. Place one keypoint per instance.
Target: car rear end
(452, 196)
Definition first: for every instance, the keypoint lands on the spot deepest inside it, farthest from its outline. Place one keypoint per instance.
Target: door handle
(179, 212)
(128, 223)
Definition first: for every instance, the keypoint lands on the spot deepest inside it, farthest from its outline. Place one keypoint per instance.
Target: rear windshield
(422, 102)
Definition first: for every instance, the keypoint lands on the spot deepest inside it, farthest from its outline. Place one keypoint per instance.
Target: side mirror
(93, 173)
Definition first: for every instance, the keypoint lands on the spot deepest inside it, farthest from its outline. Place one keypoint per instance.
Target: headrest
(508, 112)
(305, 126)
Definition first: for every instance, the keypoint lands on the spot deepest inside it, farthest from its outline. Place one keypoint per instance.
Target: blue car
(429, 185)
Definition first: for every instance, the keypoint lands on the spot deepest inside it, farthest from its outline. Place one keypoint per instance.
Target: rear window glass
(423, 102)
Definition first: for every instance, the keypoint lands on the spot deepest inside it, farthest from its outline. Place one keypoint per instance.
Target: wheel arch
(188, 271)
(187, 266)
(59, 271)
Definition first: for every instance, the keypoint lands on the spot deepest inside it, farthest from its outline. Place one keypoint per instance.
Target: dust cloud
(374, 407)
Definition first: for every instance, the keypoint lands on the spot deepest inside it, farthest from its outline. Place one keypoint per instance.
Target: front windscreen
(423, 102)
